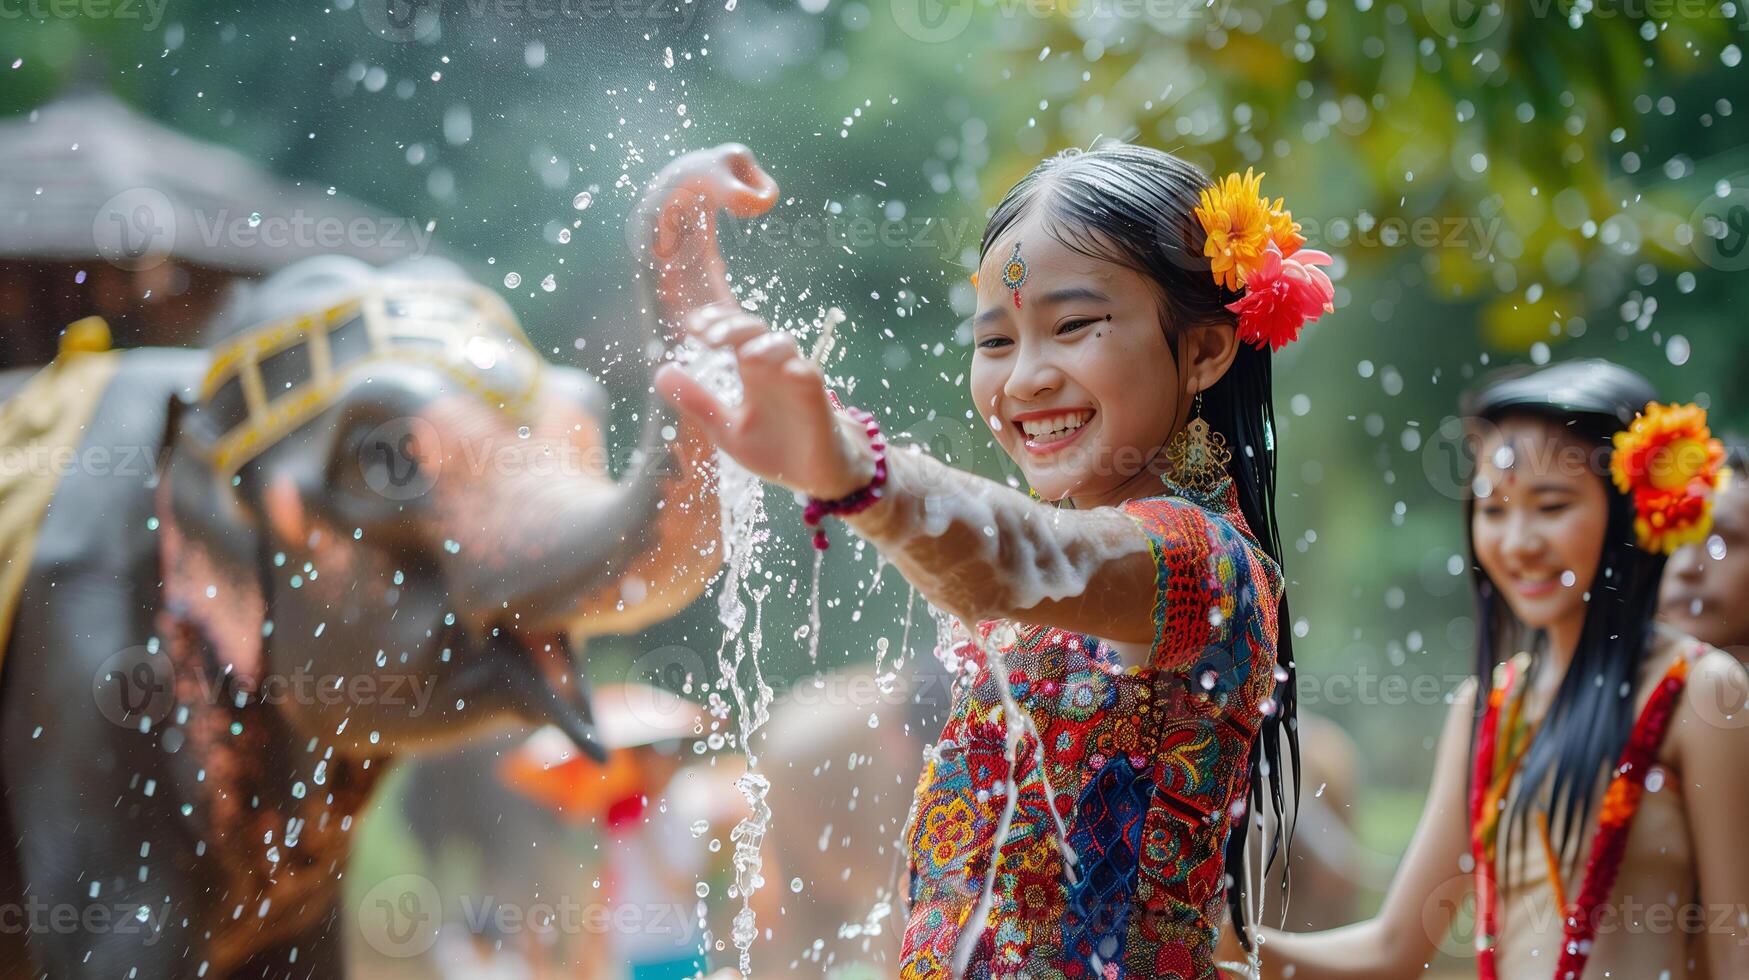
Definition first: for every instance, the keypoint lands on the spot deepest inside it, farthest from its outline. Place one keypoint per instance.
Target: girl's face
(1078, 385)
(1705, 584)
(1538, 522)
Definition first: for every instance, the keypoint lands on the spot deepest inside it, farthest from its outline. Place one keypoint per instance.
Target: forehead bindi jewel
(1014, 273)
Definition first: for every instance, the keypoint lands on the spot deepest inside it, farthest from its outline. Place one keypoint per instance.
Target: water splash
(826, 339)
(740, 672)
(748, 836)
(814, 610)
(1017, 724)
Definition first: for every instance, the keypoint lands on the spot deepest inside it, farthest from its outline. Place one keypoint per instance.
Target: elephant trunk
(637, 543)
(598, 557)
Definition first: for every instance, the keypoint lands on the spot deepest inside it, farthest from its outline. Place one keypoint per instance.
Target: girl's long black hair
(1132, 205)
(1587, 725)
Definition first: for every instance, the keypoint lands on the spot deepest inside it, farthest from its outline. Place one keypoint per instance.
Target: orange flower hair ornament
(1254, 244)
(1671, 465)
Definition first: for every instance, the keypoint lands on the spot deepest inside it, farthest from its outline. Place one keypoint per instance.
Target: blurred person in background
(653, 812)
(1587, 784)
(1706, 586)
(843, 752)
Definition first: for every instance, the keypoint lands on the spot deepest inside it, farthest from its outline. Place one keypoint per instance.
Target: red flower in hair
(1671, 464)
(1282, 295)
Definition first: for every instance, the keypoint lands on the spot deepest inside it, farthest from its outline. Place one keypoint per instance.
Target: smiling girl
(1595, 784)
(1128, 653)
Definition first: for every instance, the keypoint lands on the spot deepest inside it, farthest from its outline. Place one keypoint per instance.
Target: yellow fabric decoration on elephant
(464, 330)
(41, 426)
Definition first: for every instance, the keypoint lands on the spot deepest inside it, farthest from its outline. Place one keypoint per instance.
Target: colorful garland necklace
(1496, 763)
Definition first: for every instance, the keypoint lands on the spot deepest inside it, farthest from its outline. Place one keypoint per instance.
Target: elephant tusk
(575, 716)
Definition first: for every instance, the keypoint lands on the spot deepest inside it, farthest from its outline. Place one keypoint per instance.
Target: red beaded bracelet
(860, 500)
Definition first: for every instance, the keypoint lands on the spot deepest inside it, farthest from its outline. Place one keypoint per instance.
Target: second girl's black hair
(1585, 728)
(1737, 455)
(1132, 205)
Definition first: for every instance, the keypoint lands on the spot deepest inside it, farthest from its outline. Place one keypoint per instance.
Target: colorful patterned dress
(1145, 765)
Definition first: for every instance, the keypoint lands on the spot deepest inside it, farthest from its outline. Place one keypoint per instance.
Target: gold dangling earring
(1034, 495)
(1197, 456)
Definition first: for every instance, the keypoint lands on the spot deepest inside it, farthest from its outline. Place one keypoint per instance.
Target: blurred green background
(1499, 183)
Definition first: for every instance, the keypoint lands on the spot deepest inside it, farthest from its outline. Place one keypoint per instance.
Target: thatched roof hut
(105, 212)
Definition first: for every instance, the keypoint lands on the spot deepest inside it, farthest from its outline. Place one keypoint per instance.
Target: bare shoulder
(1463, 699)
(1716, 667)
(1713, 716)
(1717, 693)
(1463, 707)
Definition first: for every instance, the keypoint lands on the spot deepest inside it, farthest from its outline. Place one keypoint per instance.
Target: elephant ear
(210, 551)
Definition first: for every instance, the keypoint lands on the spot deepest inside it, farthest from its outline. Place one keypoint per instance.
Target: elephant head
(381, 487)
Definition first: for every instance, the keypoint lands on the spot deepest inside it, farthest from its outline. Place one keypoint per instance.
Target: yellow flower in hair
(1241, 223)
(1672, 466)
(1284, 230)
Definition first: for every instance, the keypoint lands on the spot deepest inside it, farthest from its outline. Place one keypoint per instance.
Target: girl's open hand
(785, 430)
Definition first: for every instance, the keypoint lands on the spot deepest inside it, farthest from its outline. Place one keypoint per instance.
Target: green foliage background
(1566, 162)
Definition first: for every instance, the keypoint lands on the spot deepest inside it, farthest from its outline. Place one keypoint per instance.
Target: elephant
(371, 522)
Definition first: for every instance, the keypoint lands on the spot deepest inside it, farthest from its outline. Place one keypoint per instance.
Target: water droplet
(582, 201)
(1677, 349)
(795, 884)
(699, 827)
(701, 889)
(255, 219)
(1715, 548)
(512, 280)
(549, 283)
(564, 236)
(522, 432)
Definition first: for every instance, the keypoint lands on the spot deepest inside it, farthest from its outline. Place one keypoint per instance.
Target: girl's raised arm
(1424, 897)
(981, 550)
(973, 547)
